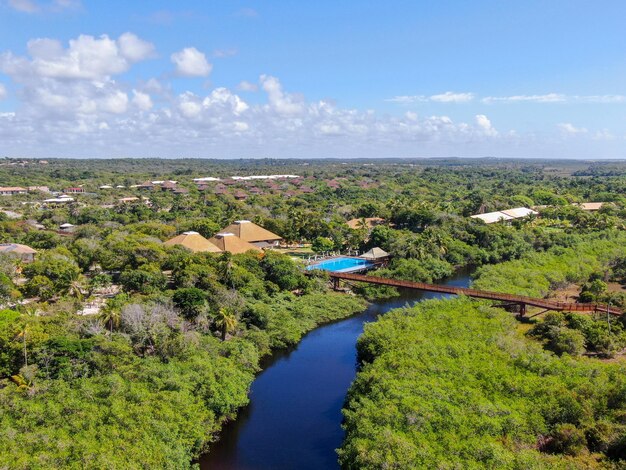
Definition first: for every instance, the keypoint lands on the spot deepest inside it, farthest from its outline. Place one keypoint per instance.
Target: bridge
(520, 300)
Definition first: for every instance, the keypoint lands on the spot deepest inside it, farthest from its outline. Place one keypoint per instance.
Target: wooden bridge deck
(480, 294)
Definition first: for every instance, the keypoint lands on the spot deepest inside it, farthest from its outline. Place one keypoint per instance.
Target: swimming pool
(342, 264)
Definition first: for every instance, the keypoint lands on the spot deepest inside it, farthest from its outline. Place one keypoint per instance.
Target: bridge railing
(480, 294)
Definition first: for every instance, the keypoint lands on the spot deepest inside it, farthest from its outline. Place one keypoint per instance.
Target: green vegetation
(124, 352)
(149, 383)
(453, 384)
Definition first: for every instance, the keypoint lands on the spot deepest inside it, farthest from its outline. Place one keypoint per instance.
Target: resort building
(252, 233)
(505, 215)
(590, 206)
(24, 252)
(193, 241)
(232, 243)
(11, 190)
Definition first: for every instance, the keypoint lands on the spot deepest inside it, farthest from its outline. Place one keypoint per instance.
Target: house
(12, 190)
(63, 199)
(590, 206)
(24, 252)
(252, 233)
(504, 215)
(168, 186)
(240, 196)
(146, 185)
(124, 200)
(232, 243)
(492, 217)
(193, 241)
(368, 222)
(73, 190)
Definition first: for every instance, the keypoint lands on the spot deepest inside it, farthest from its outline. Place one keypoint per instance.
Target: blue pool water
(342, 264)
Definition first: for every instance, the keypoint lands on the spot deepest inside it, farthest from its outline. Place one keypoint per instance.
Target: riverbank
(294, 416)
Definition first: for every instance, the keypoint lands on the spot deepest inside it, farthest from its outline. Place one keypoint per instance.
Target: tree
(322, 245)
(191, 301)
(226, 321)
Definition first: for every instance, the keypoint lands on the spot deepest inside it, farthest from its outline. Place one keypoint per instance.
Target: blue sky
(313, 79)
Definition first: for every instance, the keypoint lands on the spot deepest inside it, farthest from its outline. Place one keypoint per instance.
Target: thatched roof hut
(232, 243)
(194, 242)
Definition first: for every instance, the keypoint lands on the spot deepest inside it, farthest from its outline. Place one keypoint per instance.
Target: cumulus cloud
(3, 91)
(135, 49)
(279, 101)
(570, 129)
(142, 100)
(484, 124)
(190, 62)
(87, 57)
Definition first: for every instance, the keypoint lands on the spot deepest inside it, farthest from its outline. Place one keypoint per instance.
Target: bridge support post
(335, 283)
(522, 310)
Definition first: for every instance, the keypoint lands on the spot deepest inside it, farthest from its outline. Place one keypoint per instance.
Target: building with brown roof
(11, 190)
(253, 233)
(24, 252)
(232, 243)
(590, 206)
(193, 241)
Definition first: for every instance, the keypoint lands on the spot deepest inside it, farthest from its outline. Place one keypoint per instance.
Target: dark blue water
(294, 417)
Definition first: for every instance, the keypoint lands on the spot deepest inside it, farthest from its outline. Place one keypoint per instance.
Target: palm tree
(226, 321)
(110, 317)
(225, 269)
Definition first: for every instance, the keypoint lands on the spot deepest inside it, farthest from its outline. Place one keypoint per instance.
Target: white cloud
(86, 57)
(447, 97)
(3, 91)
(484, 124)
(407, 99)
(247, 86)
(135, 49)
(281, 102)
(570, 129)
(451, 97)
(32, 6)
(190, 62)
(547, 98)
(141, 100)
(556, 98)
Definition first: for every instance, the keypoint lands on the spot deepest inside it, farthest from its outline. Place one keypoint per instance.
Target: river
(294, 417)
